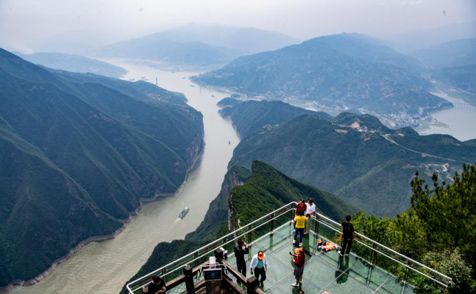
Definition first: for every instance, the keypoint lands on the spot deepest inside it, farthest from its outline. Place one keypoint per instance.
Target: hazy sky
(25, 23)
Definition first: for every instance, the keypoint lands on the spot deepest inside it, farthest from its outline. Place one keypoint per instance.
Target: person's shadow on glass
(342, 273)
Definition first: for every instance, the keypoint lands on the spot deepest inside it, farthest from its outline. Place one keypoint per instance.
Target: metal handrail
(448, 279)
(389, 249)
(217, 241)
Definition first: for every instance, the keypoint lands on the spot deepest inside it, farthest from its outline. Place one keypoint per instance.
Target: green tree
(451, 263)
(448, 214)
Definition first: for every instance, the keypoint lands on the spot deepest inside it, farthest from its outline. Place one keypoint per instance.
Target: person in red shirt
(301, 206)
(299, 259)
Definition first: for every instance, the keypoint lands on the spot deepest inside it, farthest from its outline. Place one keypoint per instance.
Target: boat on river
(183, 213)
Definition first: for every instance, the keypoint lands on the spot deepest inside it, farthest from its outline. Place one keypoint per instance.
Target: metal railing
(375, 249)
(378, 254)
(201, 255)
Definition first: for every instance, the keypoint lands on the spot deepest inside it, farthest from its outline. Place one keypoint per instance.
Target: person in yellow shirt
(300, 221)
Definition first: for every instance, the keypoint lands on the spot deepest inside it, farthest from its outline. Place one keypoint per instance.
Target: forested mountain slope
(250, 116)
(78, 158)
(350, 154)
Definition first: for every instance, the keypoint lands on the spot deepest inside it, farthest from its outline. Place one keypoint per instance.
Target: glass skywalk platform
(367, 269)
(323, 271)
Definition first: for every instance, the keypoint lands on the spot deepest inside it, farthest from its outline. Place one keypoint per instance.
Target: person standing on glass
(310, 212)
(300, 223)
(301, 206)
(348, 236)
(298, 259)
(259, 266)
(240, 252)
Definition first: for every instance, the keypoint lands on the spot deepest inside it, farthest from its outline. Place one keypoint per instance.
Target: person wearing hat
(259, 266)
(299, 259)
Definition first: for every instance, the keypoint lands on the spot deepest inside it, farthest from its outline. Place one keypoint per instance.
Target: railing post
(271, 232)
(316, 225)
(195, 257)
(373, 257)
(293, 211)
(250, 227)
(251, 285)
(187, 271)
(162, 274)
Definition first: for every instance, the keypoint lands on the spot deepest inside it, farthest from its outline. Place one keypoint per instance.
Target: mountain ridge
(349, 153)
(324, 73)
(78, 160)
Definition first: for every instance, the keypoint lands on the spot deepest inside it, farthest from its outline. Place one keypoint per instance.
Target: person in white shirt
(259, 266)
(310, 212)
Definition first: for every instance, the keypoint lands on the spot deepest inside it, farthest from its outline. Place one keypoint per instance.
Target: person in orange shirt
(300, 221)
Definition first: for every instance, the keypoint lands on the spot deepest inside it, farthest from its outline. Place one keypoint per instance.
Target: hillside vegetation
(348, 155)
(268, 189)
(250, 116)
(438, 230)
(78, 158)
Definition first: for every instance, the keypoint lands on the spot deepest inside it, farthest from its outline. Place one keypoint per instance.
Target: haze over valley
(114, 117)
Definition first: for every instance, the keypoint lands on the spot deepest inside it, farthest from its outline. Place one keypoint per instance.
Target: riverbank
(100, 238)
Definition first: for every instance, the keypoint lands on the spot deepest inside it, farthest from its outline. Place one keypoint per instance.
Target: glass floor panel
(324, 271)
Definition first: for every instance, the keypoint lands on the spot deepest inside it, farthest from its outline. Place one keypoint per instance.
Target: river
(104, 267)
(459, 121)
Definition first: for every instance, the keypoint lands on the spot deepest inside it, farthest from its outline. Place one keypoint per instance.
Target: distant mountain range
(348, 154)
(449, 54)
(453, 66)
(197, 45)
(79, 154)
(420, 39)
(339, 72)
(460, 79)
(74, 63)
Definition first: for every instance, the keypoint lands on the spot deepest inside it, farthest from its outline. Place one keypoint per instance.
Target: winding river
(104, 267)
